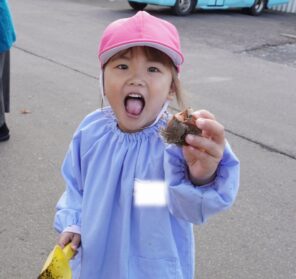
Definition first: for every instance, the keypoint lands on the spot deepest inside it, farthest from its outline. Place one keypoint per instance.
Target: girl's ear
(172, 91)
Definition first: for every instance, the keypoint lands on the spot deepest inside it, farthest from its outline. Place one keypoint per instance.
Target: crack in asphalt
(267, 45)
(55, 62)
(262, 145)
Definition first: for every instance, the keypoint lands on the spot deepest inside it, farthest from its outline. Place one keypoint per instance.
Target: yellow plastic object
(57, 264)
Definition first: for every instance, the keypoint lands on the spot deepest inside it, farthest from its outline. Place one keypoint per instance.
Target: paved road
(240, 67)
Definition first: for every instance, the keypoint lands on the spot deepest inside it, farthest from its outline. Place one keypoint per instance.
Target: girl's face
(137, 88)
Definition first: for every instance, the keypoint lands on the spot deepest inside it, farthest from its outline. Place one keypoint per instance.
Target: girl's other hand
(204, 153)
(67, 237)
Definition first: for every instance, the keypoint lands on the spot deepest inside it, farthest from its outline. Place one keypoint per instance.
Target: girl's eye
(122, 66)
(153, 70)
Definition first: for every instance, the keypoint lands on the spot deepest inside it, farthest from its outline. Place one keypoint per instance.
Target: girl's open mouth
(134, 104)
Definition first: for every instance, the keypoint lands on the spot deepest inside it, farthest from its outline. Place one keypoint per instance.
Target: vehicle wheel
(257, 8)
(137, 6)
(184, 7)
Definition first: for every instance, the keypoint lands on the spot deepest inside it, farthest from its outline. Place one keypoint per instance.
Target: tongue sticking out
(134, 106)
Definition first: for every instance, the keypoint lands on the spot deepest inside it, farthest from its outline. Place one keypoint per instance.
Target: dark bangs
(151, 53)
(154, 54)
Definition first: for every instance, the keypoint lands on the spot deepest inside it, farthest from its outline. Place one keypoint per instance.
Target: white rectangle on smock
(150, 193)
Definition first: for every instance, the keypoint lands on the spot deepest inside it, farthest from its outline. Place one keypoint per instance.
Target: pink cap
(141, 29)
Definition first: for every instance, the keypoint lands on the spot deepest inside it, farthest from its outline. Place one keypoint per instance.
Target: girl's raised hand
(204, 153)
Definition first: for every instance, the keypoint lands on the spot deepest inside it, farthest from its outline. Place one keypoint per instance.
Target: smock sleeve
(68, 208)
(195, 204)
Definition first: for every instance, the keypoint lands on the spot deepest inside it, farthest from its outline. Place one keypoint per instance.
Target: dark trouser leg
(6, 81)
(2, 106)
(4, 85)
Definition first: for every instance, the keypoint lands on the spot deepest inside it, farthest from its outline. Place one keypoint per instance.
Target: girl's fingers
(64, 239)
(75, 243)
(205, 145)
(192, 154)
(204, 114)
(212, 129)
(67, 237)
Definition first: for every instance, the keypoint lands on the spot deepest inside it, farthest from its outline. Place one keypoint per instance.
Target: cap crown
(141, 29)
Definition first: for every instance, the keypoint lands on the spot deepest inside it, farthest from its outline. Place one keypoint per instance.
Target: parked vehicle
(185, 7)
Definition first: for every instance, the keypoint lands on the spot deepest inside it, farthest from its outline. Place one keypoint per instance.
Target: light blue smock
(121, 238)
(7, 33)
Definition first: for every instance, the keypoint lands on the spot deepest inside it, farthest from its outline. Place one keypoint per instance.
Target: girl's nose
(137, 80)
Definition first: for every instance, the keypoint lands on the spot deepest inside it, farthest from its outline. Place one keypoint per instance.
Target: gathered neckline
(139, 135)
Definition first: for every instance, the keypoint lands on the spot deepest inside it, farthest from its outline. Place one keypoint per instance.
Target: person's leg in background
(4, 94)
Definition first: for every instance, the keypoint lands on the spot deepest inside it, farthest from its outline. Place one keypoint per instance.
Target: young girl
(131, 199)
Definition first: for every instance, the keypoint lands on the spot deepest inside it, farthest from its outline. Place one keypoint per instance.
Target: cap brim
(176, 57)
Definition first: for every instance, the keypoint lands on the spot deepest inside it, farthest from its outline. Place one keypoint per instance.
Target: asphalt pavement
(241, 68)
